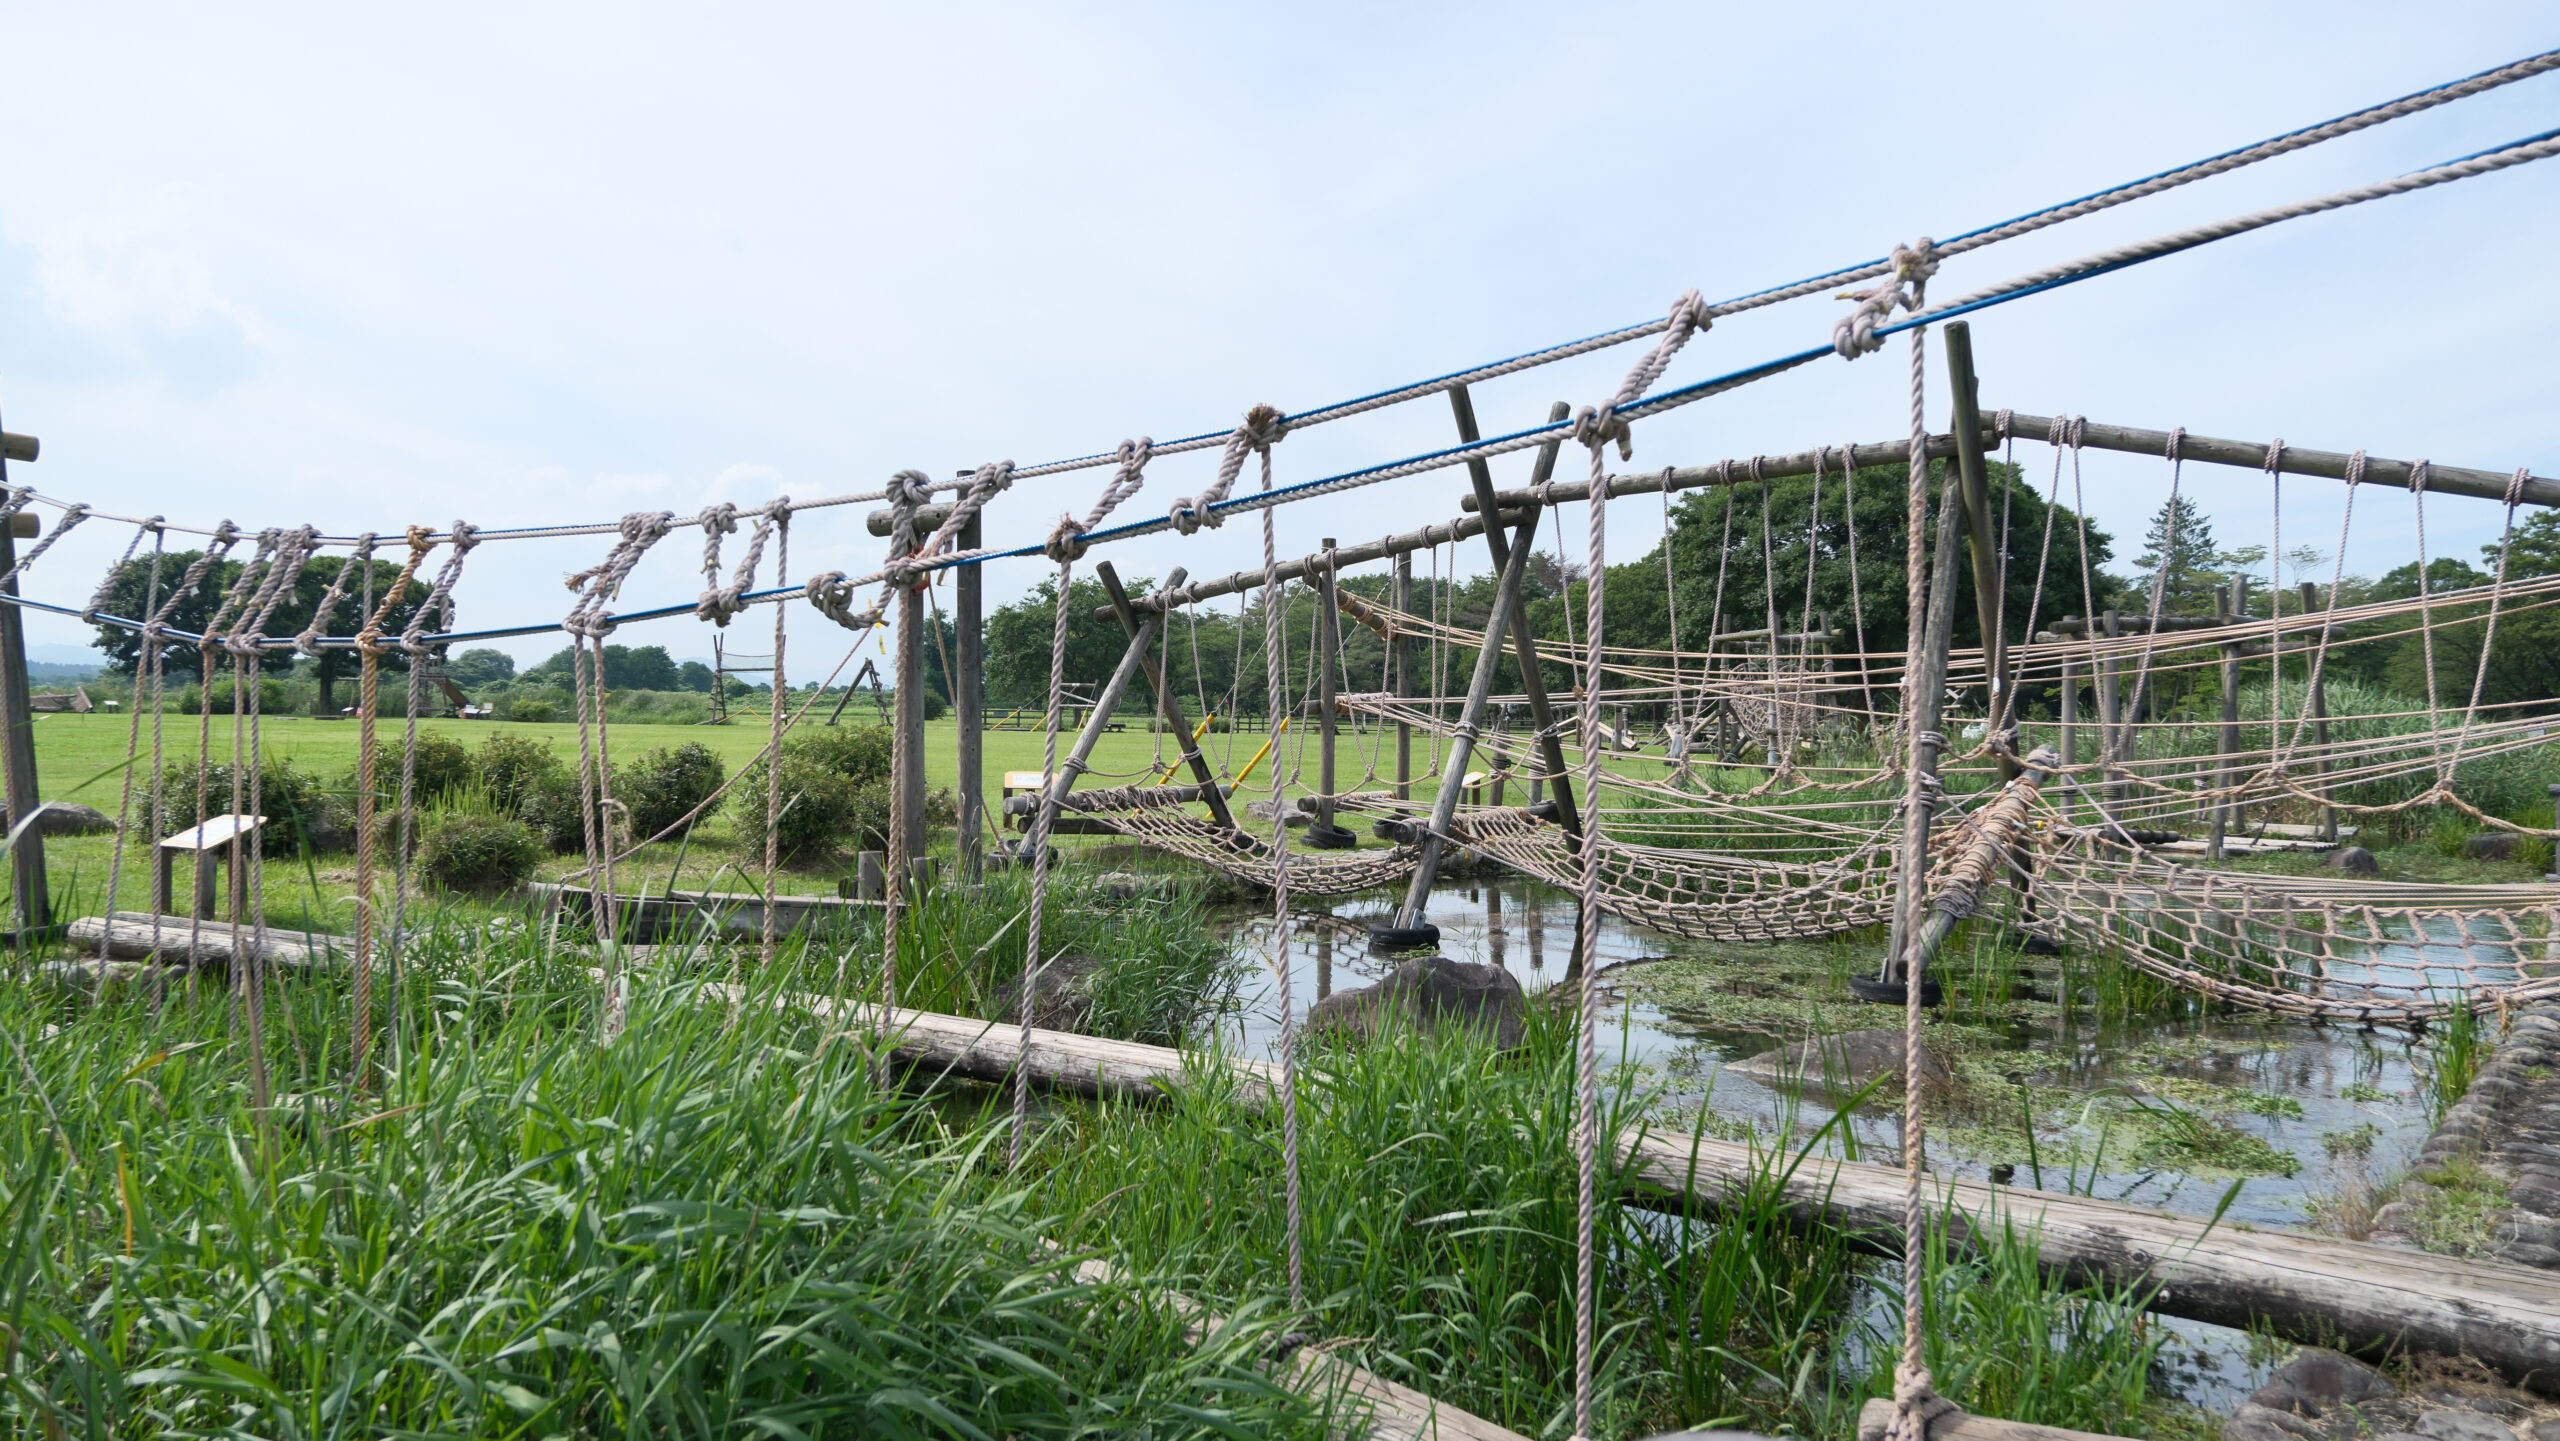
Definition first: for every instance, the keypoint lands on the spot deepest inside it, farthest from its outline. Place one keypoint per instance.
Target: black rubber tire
(1331, 838)
(1384, 937)
(1891, 993)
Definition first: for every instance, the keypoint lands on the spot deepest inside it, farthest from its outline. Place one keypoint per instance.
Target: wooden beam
(2318, 1289)
(1876, 1417)
(32, 907)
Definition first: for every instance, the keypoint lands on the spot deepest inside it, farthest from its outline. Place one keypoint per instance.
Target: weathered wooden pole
(1141, 645)
(1321, 831)
(1408, 927)
(2234, 605)
(1990, 566)
(907, 754)
(2070, 717)
(2320, 723)
(33, 906)
(1402, 645)
(1524, 644)
(1168, 702)
(2111, 719)
(969, 698)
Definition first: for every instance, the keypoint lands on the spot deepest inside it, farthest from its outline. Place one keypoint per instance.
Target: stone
(2486, 1402)
(1838, 1064)
(2355, 861)
(2254, 1422)
(2328, 1377)
(2546, 1430)
(2490, 846)
(1428, 993)
(2464, 1426)
(63, 818)
(1065, 999)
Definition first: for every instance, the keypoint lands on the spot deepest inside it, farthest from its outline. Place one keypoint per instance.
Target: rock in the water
(2355, 861)
(63, 818)
(2546, 1431)
(2490, 846)
(2328, 1378)
(1838, 1064)
(1428, 993)
(2464, 1426)
(1065, 998)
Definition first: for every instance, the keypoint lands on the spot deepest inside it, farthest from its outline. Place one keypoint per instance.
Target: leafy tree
(481, 667)
(694, 675)
(647, 667)
(131, 584)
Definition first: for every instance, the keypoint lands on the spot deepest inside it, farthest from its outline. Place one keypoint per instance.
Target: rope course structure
(1796, 782)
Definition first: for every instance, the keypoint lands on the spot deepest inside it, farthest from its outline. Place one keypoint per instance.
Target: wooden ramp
(2304, 1287)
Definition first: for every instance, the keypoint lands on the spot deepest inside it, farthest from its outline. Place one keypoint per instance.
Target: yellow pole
(1243, 775)
(1196, 733)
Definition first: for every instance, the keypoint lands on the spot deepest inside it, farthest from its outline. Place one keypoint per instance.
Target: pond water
(2172, 1109)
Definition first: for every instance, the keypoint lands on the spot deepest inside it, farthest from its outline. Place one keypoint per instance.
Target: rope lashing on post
(1903, 287)
(1066, 539)
(1262, 428)
(992, 479)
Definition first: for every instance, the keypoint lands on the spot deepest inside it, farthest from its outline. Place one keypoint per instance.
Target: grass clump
(719, 1225)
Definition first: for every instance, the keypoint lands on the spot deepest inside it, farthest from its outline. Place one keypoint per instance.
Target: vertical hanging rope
(1038, 840)
(1276, 677)
(2418, 476)
(1857, 595)
(158, 531)
(1586, 1104)
(778, 524)
(369, 653)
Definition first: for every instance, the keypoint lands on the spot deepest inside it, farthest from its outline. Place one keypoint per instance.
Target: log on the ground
(1877, 1415)
(2320, 1289)
(1395, 1413)
(138, 935)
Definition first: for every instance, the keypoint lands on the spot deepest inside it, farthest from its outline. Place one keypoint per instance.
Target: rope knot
(1263, 427)
(1595, 426)
(1066, 540)
(1905, 284)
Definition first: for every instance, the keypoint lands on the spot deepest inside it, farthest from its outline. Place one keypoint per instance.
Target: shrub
(474, 848)
(299, 812)
(530, 709)
(271, 698)
(663, 785)
(858, 753)
(552, 808)
(512, 768)
(822, 809)
(444, 766)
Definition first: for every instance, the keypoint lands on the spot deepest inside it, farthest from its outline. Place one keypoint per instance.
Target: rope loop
(2176, 443)
(1904, 287)
(439, 601)
(832, 593)
(2419, 472)
(1263, 427)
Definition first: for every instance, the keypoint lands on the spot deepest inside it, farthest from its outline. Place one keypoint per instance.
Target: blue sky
(526, 265)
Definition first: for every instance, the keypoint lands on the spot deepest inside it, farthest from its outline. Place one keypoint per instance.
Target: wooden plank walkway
(2316, 1289)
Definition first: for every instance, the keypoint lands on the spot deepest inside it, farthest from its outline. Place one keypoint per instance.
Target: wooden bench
(206, 843)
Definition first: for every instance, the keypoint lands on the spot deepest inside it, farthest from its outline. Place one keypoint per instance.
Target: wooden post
(2235, 604)
(1168, 703)
(1990, 566)
(33, 907)
(2111, 720)
(1403, 645)
(1140, 652)
(1926, 653)
(1328, 662)
(2320, 726)
(2070, 718)
(1524, 645)
(907, 764)
(1444, 807)
(969, 699)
